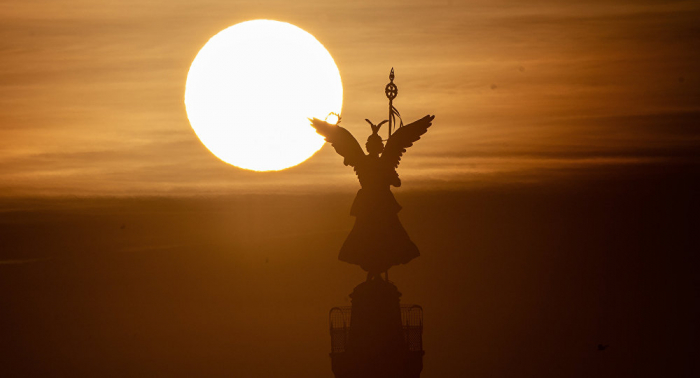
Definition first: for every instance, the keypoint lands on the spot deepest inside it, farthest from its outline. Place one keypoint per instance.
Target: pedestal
(377, 337)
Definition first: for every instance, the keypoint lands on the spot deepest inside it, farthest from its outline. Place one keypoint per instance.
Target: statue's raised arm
(403, 138)
(341, 139)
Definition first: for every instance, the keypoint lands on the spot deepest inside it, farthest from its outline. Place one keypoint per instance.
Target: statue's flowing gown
(378, 240)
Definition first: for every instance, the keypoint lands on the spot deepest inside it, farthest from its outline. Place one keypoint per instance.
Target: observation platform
(376, 336)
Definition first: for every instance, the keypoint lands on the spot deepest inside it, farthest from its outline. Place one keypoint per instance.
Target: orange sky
(553, 201)
(91, 93)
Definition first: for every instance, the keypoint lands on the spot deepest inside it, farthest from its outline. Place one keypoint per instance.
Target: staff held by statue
(391, 91)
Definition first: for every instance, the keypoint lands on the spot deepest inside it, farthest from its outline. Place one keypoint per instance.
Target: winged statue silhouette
(377, 241)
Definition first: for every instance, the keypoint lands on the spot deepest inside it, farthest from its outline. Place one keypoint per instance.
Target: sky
(554, 200)
(92, 92)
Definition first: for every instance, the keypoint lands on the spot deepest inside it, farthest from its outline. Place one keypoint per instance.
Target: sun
(251, 90)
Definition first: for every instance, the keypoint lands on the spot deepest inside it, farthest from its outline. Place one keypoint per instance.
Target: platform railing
(339, 319)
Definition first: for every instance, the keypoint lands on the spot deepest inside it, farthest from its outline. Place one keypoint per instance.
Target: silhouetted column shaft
(376, 318)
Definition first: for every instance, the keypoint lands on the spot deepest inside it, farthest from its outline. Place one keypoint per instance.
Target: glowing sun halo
(251, 89)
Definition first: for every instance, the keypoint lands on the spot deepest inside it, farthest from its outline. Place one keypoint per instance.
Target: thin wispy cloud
(20, 261)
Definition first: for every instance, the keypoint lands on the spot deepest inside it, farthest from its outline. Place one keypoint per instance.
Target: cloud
(91, 95)
(20, 261)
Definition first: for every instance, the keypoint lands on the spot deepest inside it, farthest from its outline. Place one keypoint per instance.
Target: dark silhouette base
(379, 338)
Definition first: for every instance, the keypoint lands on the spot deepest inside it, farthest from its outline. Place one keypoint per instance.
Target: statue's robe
(377, 240)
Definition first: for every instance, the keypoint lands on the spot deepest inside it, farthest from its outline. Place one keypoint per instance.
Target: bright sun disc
(251, 90)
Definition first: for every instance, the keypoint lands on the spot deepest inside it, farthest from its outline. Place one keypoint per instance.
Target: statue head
(374, 144)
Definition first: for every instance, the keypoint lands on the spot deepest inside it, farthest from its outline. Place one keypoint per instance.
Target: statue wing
(341, 139)
(403, 138)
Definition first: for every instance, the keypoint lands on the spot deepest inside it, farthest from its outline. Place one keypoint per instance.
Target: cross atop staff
(391, 91)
